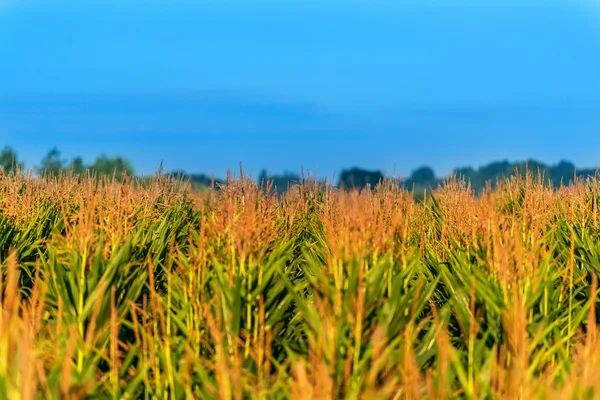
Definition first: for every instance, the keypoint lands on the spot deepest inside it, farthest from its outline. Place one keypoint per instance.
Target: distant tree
(109, 166)
(531, 166)
(586, 172)
(9, 161)
(496, 168)
(77, 166)
(491, 172)
(421, 179)
(281, 182)
(52, 163)
(356, 178)
(262, 177)
(423, 176)
(198, 181)
(562, 173)
(204, 180)
(464, 172)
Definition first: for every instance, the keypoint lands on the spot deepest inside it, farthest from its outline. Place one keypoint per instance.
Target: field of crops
(149, 290)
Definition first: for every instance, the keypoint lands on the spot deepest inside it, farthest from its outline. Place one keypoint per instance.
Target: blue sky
(286, 84)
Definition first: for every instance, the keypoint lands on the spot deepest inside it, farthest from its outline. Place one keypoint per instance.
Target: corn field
(147, 289)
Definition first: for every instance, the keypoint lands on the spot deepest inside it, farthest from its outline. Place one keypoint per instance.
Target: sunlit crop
(147, 289)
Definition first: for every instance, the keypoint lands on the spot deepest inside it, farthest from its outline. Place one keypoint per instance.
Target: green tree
(562, 173)
(423, 176)
(108, 166)
(281, 182)
(9, 161)
(357, 178)
(52, 163)
(77, 166)
(421, 179)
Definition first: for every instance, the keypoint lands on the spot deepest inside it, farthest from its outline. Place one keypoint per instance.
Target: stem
(80, 304)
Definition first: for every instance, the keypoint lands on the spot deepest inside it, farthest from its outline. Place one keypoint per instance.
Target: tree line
(53, 163)
(421, 179)
(424, 178)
